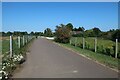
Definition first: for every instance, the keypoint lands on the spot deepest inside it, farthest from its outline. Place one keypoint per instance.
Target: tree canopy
(48, 32)
(62, 33)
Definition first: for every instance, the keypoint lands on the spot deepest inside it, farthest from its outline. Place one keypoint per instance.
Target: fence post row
(116, 50)
(10, 46)
(24, 39)
(95, 44)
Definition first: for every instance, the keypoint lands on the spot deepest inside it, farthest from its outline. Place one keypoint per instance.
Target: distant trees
(63, 33)
(69, 26)
(18, 33)
(79, 29)
(32, 33)
(95, 32)
(78, 32)
(9, 33)
(116, 35)
(48, 32)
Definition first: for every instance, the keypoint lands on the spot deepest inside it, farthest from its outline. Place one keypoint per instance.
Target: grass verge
(101, 58)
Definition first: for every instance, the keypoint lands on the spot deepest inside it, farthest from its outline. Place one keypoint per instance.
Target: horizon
(37, 16)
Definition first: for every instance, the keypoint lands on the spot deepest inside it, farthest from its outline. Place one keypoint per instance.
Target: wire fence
(13, 51)
(97, 45)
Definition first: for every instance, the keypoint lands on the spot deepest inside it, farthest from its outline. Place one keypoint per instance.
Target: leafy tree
(32, 33)
(96, 32)
(48, 32)
(18, 33)
(63, 33)
(75, 29)
(69, 26)
(116, 35)
(9, 33)
(79, 29)
(89, 33)
(2, 34)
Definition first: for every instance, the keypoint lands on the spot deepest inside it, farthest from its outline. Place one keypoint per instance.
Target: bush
(110, 51)
(62, 34)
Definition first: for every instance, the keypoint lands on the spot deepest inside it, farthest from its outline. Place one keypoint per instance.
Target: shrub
(62, 34)
(107, 51)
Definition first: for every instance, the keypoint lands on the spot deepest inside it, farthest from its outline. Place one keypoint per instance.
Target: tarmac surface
(49, 60)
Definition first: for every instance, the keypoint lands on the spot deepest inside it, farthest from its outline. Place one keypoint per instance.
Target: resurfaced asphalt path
(48, 60)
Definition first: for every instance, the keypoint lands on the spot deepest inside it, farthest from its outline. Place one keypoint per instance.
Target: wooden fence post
(83, 43)
(18, 41)
(116, 50)
(23, 40)
(95, 44)
(10, 46)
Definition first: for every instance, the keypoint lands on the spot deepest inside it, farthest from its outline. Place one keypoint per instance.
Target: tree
(48, 32)
(89, 33)
(18, 33)
(75, 29)
(79, 29)
(116, 35)
(69, 26)
(32, 33)
(2, 34)
(9, 33)
(96, 31)
(62, 33)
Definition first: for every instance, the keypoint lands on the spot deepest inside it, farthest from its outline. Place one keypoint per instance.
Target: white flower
(17, 58)
(3, 67)
(3, 73)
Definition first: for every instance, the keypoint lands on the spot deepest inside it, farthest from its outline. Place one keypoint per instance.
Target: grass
(16, 50)
(104, 59)
(103, 46)
(6, 44)
(90, 41)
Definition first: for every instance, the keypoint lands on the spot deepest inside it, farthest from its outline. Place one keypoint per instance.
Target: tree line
(64, 32)
(18, 33)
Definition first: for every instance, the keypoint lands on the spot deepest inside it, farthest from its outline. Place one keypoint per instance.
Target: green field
(10, 64)
(106, 47)
(6, 45)
(15, 47)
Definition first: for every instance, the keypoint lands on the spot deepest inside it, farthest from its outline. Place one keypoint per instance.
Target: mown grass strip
(101, 58)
